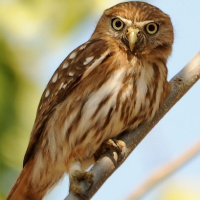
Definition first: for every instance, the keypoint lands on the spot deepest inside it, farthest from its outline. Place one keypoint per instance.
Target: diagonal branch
(110, 161)
(165, 171)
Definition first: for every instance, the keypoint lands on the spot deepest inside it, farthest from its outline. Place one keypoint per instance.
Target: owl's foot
(80, 183)
(116, 145)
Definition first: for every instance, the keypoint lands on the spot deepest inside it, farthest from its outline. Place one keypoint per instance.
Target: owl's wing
(68, 76)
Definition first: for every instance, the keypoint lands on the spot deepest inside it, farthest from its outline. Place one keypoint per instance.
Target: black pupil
(118, 24)
(152, 28)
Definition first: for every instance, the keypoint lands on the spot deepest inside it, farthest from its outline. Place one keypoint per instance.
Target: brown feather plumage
(102, 88)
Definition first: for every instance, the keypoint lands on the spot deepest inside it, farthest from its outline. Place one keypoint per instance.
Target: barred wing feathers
(67, 77)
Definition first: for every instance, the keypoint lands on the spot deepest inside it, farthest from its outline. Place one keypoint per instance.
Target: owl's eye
(117, 24)
(151, 28)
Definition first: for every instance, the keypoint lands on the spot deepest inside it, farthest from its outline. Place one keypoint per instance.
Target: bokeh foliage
(13, 112)
(27, 29)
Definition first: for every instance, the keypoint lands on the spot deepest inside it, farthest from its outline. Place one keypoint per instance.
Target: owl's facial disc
(132, 36)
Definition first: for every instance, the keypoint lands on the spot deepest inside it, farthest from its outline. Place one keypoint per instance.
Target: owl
(110, 84)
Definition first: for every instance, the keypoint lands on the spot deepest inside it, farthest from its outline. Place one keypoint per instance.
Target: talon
(80, 183)
(116, 145)
(121, 146)
(112, 144)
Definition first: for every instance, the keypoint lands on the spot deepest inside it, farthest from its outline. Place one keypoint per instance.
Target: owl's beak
(132, 35)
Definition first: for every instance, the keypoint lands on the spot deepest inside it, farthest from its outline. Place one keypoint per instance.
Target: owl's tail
(21, 189)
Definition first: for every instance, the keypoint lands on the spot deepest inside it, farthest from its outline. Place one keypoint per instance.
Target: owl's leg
(116, 145)
(80, 181)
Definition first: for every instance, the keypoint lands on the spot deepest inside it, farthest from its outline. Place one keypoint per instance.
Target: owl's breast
(147, 90)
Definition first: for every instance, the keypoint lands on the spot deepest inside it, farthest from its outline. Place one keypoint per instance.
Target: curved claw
(117, 145)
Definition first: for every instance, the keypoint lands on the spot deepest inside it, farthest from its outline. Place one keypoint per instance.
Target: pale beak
(132, 34)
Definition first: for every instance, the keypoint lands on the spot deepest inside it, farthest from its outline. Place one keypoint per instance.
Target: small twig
(109, 162)
(165, 171)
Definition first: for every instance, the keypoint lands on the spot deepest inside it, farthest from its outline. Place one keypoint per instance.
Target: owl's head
(139, 28)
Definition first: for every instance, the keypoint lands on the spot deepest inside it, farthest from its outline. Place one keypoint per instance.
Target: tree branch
(165, 171)
(110, 161)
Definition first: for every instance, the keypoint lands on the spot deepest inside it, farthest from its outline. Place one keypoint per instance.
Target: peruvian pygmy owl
(112, 83)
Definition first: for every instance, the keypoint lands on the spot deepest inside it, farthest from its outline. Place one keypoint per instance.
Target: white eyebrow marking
(65, 65)
(126, 21)
(47, 93)
(138, 24)
(141, 24)
(72, 55)
(88, 60)
(55, 77)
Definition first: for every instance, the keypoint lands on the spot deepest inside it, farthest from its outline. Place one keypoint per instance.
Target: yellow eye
(117, 24)
(152, 28)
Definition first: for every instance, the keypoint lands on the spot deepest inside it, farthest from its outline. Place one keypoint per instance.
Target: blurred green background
(35, 36)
